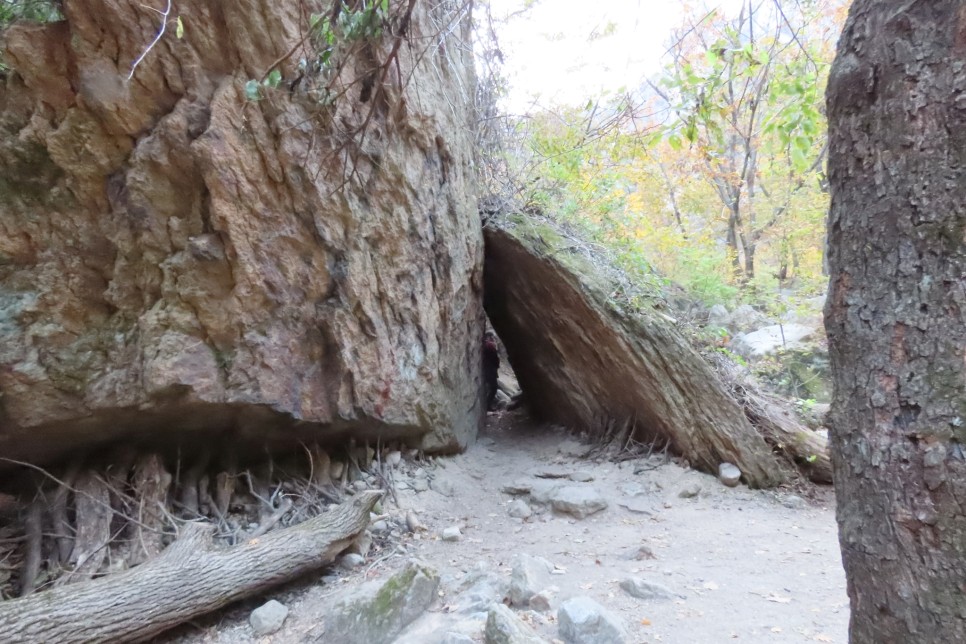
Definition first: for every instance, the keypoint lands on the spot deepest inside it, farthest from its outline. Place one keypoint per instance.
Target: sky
(565, 51)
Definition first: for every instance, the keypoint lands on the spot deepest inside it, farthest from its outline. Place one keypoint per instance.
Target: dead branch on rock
(190, 578)
(776, 421)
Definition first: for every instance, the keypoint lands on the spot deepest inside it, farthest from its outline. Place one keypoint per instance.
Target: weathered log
(92, 509)
(807, 449)
(776, 422)
(190, 578)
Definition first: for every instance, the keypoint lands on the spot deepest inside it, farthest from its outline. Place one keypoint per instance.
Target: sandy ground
(742, 565)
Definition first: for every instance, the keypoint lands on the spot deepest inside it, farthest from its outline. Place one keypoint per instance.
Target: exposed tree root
(191, 577)
(95, 517)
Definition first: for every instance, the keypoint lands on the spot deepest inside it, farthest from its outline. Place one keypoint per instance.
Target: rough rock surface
(579, 500)
(770, 339)
(582, 360)
(176, 254)
(528, 576)
(380, 611)
(584, 621)
(268, 618)
(504, 627)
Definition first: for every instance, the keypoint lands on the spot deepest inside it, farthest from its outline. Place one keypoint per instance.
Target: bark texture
(896, 317)
(175, 255)
(582, 362)
(190, 578)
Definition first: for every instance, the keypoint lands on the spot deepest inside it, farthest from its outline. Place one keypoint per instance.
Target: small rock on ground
(519, 509)
(794, 502)
(452, 533)
(584, 621)
(729, 474)
(378, 612)
(268, 618)
(528, 576)
(352, 560)
(690, 491)
(643, 589)
(578, 500)
(444, 487)
(504, 627)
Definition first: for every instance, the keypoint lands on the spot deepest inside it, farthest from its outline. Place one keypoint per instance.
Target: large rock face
(175, 255)
(583, 362)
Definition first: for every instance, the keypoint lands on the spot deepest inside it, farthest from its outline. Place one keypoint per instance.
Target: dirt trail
(742, 565)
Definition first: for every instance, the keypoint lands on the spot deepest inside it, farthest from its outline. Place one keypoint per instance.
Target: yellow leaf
(179, 28)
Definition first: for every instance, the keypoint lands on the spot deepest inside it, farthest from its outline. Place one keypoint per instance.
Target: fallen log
(776, 422)
(189, 578)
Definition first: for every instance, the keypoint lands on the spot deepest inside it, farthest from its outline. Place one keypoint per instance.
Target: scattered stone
(541, 601)
(420, 473)
(501, 401)
(503, 627)
(518, 509)
(643, 589)
(413, 524)
(528, 576)
(637, 504)
(542, 490)
(442, 486)
(456, 638)
(483, 588)
(718, 317)
(352, 560)
(549, 473)
(268, 618)
(378, 612)
(794, 502)
(689, 491)
(584, 621)
(518, 487)
(420, 485)
(578, 500)
(729, 474)
(362, 544)
(360, 486)
(640, 554)
(582, 476)
(380, 527)
(394, 458)
(452, 533)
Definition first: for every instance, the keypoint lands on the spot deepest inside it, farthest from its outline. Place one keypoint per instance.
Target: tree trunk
(190, 578)
(896, 317)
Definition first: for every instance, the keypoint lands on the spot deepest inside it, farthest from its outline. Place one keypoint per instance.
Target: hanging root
(95, 517)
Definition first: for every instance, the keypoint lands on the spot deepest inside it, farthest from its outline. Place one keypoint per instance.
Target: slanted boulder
(583, 360)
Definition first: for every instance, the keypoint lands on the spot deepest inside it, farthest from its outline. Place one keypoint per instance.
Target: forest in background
(710, 174)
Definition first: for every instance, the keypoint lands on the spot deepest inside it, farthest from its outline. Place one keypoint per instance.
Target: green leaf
(674, 141)
(179, 28)
(252, 91)
(274, 78)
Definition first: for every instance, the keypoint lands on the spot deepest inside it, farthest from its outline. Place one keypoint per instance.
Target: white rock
(394, 458)
(268, 618)
(769, 339)
(578, 500)
(689, 491)
(518, 509)
(643, 589)
(729, 474)
(582, 476)
(452, 533)
(352, 560)
(528, 576)
(584, 621)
